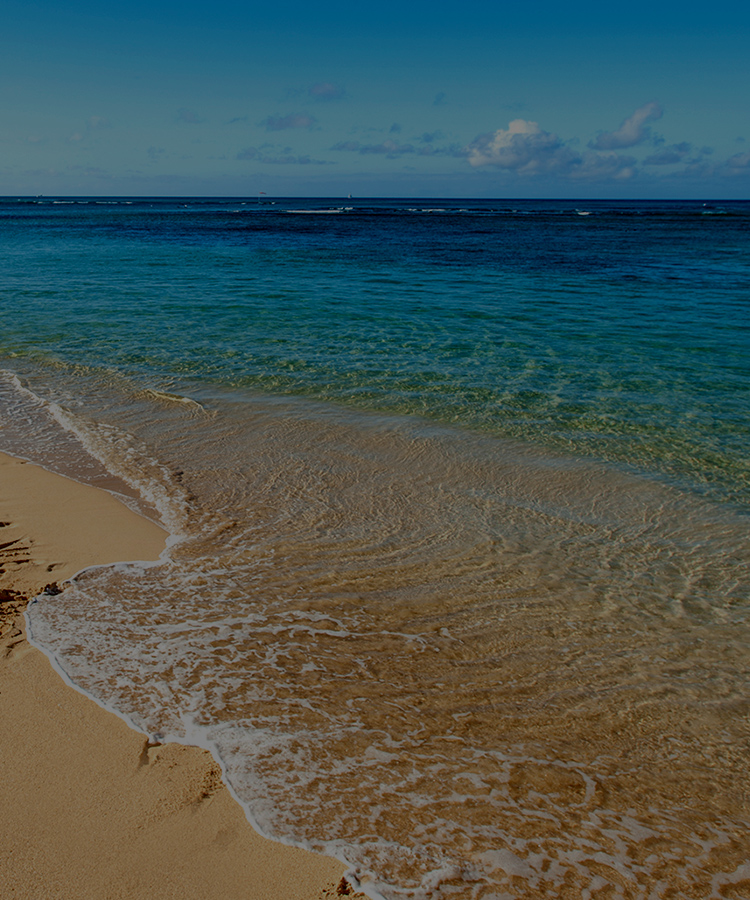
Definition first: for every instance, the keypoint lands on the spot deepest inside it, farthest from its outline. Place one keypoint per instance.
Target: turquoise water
(621, 334)
(458, 588)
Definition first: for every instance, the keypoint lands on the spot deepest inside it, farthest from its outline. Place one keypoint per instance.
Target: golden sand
(88, 810)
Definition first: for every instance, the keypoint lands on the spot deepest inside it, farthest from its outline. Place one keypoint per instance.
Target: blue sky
(389, 99)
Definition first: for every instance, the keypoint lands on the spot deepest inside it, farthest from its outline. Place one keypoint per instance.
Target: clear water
(460, 493)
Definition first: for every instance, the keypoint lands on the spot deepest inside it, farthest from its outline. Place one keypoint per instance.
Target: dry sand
(87, 810)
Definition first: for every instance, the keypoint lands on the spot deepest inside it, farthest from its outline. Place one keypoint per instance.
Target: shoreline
(91, 808)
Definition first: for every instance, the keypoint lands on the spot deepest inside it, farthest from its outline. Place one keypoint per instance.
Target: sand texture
(87, 808)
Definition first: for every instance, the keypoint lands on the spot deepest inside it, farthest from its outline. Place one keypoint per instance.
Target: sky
(401, 99)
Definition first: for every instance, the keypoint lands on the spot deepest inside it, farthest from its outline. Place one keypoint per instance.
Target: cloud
(351, 146)
(528, 150)
(455, 150)
(155, 153)
(293, 120)
(634, 130)
(190, 116)
(699, 167)
(523, 147)
(601, 167)
(395, 128)
(75, 138)
(326, 90)
(440, 99)
(96, 123)
(669, 156)
(394, 150)
(389, 148)
(431, 137)
(739, 164)
(285, 158)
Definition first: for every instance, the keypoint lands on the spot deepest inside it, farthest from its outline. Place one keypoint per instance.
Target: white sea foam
(120, 455)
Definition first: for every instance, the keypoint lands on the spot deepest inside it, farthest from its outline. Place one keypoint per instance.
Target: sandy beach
(89, 809)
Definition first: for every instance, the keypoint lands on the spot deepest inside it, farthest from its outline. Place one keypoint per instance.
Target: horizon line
(256, 197)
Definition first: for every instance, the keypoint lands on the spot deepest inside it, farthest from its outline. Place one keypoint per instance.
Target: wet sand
(88, 810)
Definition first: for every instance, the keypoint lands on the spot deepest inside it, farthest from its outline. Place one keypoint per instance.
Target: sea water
(458, 495)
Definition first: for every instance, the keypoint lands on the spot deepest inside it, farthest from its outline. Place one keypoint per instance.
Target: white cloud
(523, 147)
(528, 150)
(634, 130)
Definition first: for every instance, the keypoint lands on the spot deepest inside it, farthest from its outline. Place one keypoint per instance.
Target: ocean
(458, 496)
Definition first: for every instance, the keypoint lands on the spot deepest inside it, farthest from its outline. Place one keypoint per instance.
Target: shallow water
(497, 650)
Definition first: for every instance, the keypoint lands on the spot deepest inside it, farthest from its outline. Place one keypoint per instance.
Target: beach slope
(88, 810)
